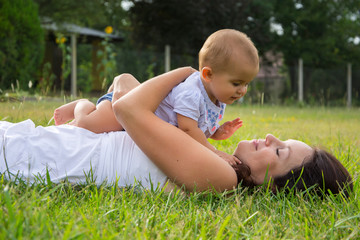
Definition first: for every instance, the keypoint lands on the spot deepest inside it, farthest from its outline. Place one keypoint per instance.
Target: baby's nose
(242, 90)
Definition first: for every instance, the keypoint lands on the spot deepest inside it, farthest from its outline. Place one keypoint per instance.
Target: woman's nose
(270, 139)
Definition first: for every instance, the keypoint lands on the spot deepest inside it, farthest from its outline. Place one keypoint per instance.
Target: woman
(78, 155)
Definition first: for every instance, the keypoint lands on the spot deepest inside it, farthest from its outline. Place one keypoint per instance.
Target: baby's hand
(227, 129)
(232, 160)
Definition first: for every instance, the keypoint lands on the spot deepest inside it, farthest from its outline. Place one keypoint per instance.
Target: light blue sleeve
(188, 103)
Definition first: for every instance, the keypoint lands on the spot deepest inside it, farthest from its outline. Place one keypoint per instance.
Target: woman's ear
(206, 74)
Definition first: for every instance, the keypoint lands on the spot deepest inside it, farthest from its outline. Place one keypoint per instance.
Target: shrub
(21, 45)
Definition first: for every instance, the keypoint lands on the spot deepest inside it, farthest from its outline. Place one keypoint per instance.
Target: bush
(21, 45)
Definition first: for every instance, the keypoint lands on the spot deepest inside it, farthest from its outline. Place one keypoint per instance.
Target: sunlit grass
(45, 211)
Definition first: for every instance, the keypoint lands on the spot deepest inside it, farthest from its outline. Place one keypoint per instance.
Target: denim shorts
(107, 96)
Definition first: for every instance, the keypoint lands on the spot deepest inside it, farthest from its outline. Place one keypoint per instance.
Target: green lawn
(47, 211)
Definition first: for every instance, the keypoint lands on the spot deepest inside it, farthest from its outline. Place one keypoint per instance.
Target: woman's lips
(256, 143)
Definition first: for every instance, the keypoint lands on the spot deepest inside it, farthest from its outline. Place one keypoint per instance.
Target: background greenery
(324, 33)
(21, 43)
(64, 211)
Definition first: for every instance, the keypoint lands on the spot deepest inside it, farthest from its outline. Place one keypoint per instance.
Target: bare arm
(181, 158)
(190, 127)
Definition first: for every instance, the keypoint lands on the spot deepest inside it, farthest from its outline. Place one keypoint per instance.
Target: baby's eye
(245, 84)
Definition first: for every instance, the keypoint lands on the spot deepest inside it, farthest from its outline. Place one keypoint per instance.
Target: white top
(73, 153)
(190, 99)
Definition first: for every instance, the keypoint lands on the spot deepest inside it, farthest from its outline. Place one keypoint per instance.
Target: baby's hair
(220, 46)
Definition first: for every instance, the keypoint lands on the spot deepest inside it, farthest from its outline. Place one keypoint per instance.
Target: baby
(228, 62)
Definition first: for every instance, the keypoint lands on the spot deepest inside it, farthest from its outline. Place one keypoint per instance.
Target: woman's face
(271, 156)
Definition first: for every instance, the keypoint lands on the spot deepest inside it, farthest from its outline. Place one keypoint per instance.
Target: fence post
(300, 80)
(167, 57)
(349, 80)
(73, 65)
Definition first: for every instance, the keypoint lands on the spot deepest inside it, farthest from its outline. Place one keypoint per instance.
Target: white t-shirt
(75, 154)
(190, 99)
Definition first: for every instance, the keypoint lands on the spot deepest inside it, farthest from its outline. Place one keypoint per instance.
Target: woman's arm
(181, 158)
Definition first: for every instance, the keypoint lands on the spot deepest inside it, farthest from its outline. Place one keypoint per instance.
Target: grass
(63, 211)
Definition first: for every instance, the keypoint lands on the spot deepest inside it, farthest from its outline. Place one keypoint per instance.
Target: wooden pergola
(76, 34)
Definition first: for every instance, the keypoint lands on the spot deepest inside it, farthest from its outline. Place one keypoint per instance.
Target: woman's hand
(227, 129)
(232, 160)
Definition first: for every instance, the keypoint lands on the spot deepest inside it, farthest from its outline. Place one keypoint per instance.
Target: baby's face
(231, 84)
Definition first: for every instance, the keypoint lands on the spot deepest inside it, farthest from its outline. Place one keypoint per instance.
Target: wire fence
(273, 85)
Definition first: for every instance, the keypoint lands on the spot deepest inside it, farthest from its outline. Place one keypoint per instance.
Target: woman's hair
(322, 173)
(322, 170)
(243, 173)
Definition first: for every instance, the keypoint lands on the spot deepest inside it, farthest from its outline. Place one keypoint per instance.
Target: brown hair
(243, 173)
(220, 46)
(322, 173)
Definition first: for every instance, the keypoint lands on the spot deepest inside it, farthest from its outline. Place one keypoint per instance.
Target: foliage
(46, 83)
(108, 63)
(76, 12)
(21, 45)
(65, 60)
(141, 64)
(107, 212)
(92, 13)
(321, 32)
(96, 14)
(318, 31)
(84, 80)
(186, 24)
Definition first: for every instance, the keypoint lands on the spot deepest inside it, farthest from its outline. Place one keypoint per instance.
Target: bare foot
(65, 113)
(72, 123)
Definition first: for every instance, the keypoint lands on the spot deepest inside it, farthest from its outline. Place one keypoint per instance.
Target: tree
(94, 13)
(318, 31)
(186, 24)
(21, 45)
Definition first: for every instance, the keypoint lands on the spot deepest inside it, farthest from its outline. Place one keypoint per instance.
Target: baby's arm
(190, 127)
(227, 129)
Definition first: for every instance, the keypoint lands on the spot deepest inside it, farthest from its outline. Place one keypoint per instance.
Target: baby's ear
(206, 74)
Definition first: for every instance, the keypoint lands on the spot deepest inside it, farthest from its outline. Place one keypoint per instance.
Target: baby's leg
(123, 84)
(97, 119)
(65, 113)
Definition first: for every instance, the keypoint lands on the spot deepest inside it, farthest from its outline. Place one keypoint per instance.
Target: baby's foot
(64, 113)
(72, 123)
